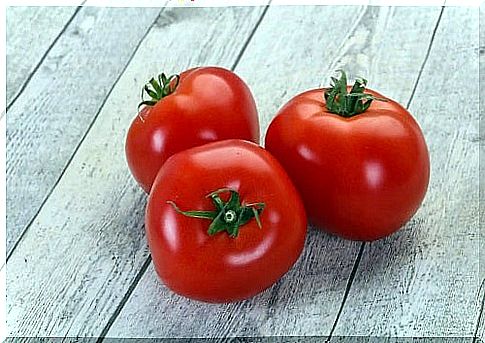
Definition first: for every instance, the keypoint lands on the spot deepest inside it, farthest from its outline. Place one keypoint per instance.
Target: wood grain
(46, 124)
(30, 33)
(423, 281)
(83, 251)
(306, 301)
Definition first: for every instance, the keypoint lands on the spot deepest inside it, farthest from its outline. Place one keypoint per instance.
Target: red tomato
(199, 248)
(205, 104)
(361, 175)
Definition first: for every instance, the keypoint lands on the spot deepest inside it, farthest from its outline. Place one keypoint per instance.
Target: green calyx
(348, 104)
(229, 216)
(158, 89)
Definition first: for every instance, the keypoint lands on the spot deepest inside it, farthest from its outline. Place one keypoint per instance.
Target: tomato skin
(221, 268)
(209, 104)
(361, 177)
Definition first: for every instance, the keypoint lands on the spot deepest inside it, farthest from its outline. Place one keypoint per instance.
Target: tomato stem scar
(348, 104)
(229, 216)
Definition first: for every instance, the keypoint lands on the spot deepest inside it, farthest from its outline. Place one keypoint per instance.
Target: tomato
(201, 105)
(359, 160)
(223, 221)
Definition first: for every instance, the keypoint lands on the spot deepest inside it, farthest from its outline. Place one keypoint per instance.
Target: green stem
(158, 89)
(229, 216)
(345, 104)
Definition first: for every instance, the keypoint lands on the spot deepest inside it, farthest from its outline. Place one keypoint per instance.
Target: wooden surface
(60, 103)
(78, 262)
(36, 28)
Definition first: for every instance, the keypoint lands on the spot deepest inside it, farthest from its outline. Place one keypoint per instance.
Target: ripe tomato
(202, 105)
(228, 226)
(363, 170)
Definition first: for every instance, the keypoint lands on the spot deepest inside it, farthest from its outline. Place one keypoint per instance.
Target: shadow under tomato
(303, 302)
(311, 293)
(390, 263)
(307, 299)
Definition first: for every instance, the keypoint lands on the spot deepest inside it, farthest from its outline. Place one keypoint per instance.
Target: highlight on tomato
(358, 158)
(223, 222)
(199, 106)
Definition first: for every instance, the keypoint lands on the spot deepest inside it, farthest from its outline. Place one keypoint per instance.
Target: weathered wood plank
(46, 124)
(424, 280)
(30, 33)
(306, 301)
(86, 246)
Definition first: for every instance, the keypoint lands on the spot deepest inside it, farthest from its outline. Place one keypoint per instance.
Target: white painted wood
(84, 249)
(281, 61)
(423, 281)
(45, 125)
(30, 33)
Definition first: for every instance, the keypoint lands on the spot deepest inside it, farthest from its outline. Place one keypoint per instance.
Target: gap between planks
(476, 334)
(32, 73)
(347, 290)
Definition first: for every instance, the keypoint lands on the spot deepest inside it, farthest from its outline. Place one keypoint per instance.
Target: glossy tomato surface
(360, 177)
(209, 104)
(221, 268)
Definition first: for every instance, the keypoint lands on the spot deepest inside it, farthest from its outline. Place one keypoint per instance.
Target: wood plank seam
(125, 298)
(480, 314)
(426, 57)
(243, 49)
(79, 144)
(350, 280)
(360, 253)
(146, 264)
(41, 61)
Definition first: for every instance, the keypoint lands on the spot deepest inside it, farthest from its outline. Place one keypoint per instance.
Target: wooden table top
(78, 264)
